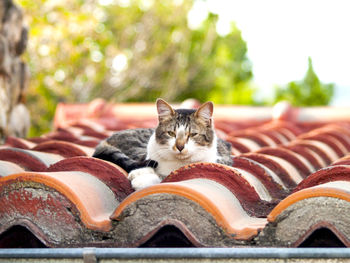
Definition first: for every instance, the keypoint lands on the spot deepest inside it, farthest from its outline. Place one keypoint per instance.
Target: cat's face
(183, 133)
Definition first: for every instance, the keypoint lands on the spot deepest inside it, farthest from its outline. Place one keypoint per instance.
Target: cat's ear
(205, 112)
(165, 111)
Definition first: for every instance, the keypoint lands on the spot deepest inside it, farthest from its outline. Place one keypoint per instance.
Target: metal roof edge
(176, 253)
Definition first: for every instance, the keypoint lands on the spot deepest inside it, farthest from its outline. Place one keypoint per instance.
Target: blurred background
(230, 52)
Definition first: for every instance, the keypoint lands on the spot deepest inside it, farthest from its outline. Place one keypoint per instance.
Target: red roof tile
(92, 198)
(284, 170)
(65, 149)
(321, 206)
(28, 159)
(281, 172)
(249, 190)
(298, 161)
(325, 175)
(111, 174)
(211, 196)
(19, 143)
(7, 168)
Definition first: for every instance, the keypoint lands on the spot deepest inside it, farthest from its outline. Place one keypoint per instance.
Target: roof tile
(252, 193)
(93, 199)
(322, 206)
(29, 160)
(213, 199)
(111, 174)
(65, 149)
(289, 179)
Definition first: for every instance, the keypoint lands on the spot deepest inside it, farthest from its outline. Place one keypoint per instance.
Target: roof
(288, 187)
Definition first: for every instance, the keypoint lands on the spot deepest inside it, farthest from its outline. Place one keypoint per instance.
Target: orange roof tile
(213, 197)
(93, 199)
(277, 169)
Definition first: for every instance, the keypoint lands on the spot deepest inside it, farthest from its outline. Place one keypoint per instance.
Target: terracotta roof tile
(322, 206)
(19, 143)
(344, 160)
(325, 175)
(111, 174)
(7, 168)
(252, 193)
(272, 182)
(28, 159)
(65, 149)
(214, 200)
(65, 135)
(278, 166)
(242, 145)
(289, 174)
(39, 201)
(303, 166)
(314, 159)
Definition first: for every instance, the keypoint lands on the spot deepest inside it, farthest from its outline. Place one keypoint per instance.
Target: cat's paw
(143, 177)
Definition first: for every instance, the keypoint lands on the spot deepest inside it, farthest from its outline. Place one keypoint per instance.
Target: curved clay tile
(19, 143)
(248, 144)
(7, 168)
(290, 130)
(295, 218)
(332, 142)
(335, 128)
(60, 208)
(303, 166)
(286, 133)
(112, 175)
(204, 210)
(270, 180)
(260, 139)
(314, 159)
(274, 136)
(81, 130)
(326, 152)
(62, 135)
(287, 173)
(38, 140)
(226, 127)
(29, 160)
(344, 140)
(65, 135)
(65, 149)
(343, 161)
(87, 141)
(89, 131)
(252, 194)
(238, 146)
(325, 175)
(337, 132)
(111, 123)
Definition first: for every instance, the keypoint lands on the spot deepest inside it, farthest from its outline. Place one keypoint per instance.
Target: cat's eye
(171, 134)
(193, 134)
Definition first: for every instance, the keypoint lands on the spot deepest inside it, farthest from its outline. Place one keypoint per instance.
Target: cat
(182, 137)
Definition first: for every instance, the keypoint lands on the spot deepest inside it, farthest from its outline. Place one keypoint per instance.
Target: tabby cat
(183, 136)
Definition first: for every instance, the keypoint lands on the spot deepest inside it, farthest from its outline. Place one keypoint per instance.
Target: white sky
(282, 34)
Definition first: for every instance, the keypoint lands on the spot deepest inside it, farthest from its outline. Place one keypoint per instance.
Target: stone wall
(14, 73)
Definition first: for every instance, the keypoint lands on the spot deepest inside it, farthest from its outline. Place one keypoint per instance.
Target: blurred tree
(310, 91)
(129, 50)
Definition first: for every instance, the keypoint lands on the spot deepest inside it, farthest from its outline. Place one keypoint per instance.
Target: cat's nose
(180, 147)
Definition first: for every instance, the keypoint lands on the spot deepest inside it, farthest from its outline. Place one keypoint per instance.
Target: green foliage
(128, 50)
(139, 50)
(310, 91)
